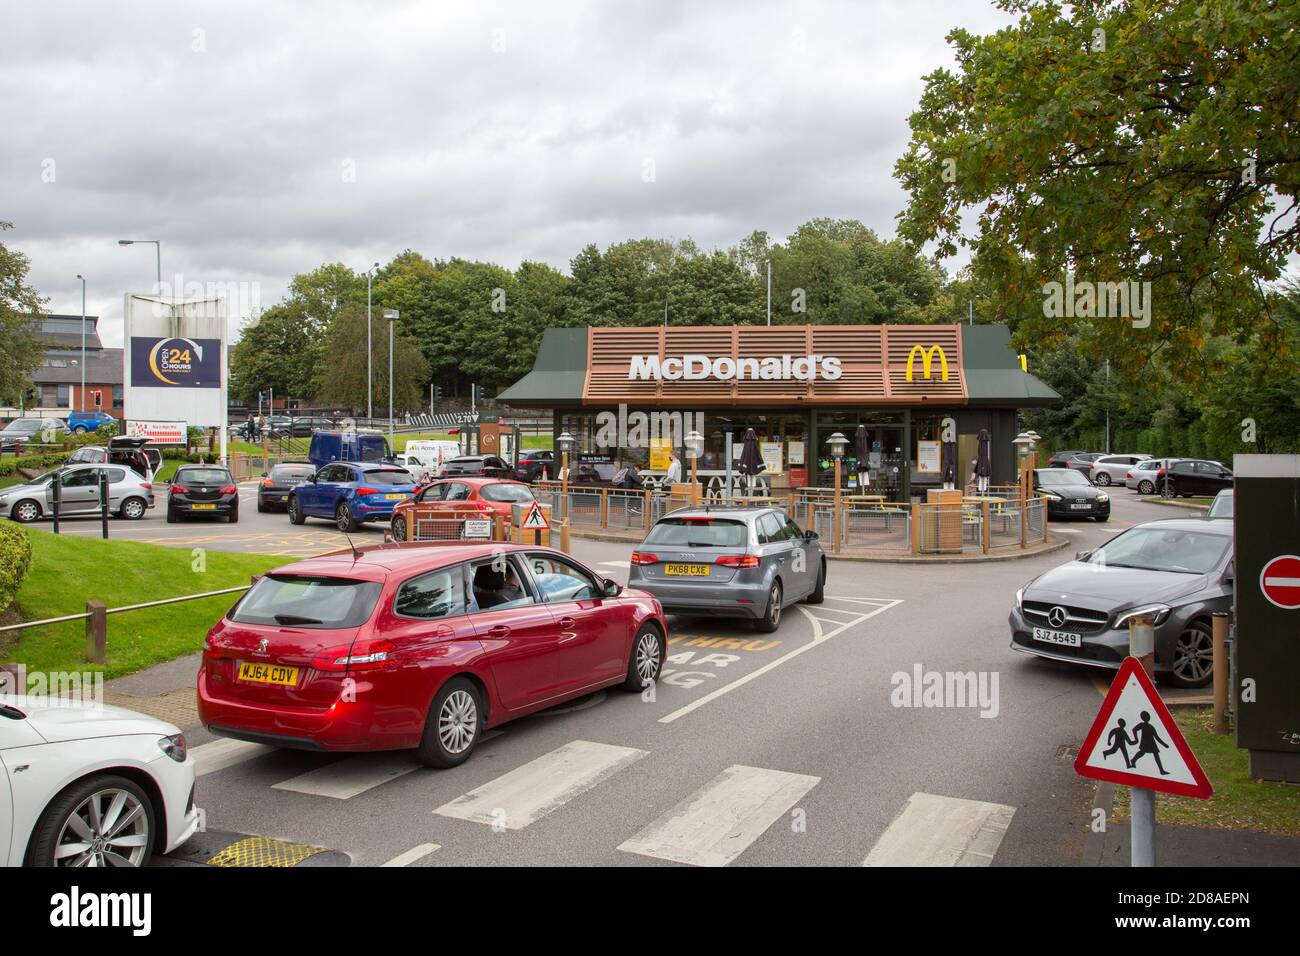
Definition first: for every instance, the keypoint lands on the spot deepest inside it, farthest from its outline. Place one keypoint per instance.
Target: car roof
(476, 482)
(375, 562)
(1184, 524)
(721, 511)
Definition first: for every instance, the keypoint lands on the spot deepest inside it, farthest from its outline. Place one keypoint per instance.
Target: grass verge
(1239, 803)
(67, 571)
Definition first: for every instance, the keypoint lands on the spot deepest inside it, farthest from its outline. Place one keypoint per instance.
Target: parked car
(91, 785)
(294, 427)
(447, 639)
(1112, 469)
(536, 463)
(1082, 463)
(81, 422)
(1193, 476)
(490, 496)
(476, 466)
(130, 495)
(203, 490)
(273, 490)
(22, 431)
(359, 446)
(1222, 506)
(1142, 476)
(131, 452)
(1070, 495)
(1176, 571)
(351, 493)
(742, 562)
(1062, 459)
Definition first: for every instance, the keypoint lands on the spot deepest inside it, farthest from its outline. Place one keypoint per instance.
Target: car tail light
(230, 490)
(644, 557)
(738, 561)
(367, 491)
(266, 482)
(180, 490)
(1129, 476)
(147, 484)
(359, 656)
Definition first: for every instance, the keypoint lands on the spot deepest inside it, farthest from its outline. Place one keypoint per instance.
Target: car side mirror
(810, 535)
(1228, 574)
(1082, 555)
(611, 588)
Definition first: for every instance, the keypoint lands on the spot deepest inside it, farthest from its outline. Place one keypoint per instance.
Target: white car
(90, 785)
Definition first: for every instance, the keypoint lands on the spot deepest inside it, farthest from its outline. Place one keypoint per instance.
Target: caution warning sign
(535, 519)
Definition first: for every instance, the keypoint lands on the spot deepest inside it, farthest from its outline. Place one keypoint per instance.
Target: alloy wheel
(343, 518)
(1103, 479)
(109, 828)
(647, 657)
(774, 602)
(458, 721)
(399, 529)
(26, 511)
(1194, 655)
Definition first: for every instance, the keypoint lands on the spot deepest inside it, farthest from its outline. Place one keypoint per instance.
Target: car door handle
(567, 622)
(499, 630)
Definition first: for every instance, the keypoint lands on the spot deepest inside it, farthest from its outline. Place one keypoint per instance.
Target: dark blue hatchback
(351, 493)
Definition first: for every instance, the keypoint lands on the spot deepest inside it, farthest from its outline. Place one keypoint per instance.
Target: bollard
(97, 632)
(103, 503)
(1220, 632)
(565, 545)
(56, 486)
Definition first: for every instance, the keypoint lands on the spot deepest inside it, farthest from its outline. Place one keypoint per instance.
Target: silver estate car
(730, 561)
(1142, 476)
(129, 495)
(1113, 469)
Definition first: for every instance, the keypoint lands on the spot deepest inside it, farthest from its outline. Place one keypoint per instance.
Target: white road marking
(615, 564)
(224, 752)
(942, 831)
(350, 776)
(819, 635)
(719, 821)
(542, 786)
(413, 854)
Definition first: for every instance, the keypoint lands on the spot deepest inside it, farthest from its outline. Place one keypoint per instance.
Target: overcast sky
(258, 140)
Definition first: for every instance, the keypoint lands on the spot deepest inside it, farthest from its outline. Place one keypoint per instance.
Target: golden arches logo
(927, 357)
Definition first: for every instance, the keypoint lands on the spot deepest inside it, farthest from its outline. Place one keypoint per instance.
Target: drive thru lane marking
(942, 831)
(413, 854)
(819, 636)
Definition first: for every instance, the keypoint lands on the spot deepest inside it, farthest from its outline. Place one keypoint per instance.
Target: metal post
(835, 515)
(392, 448)
(81, 397)
(1220, 632)
(1142, 831)
(103, 503)
(370, 410)
(769, 291)
(56, 485)
(97, 632)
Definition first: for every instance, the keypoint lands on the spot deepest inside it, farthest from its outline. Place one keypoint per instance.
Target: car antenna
(356, 552)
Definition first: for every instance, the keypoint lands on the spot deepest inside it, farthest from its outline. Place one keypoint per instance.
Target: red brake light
(367, 491)
(180, 490)
(266, 482)
(738, 561)
(644, 557)
(359, 656)
(230, 490)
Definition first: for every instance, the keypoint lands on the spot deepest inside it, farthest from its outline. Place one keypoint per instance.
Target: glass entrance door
(885, 463)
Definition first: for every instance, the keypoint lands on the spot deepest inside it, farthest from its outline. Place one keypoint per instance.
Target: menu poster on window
(796, 453)
(771, 452)
(659, 449)
(927, 457)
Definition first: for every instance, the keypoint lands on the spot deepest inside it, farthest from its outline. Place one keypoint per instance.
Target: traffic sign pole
(1142, 830)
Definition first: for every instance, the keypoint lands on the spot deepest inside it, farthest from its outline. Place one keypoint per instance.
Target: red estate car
(421, 646)
(487, 495)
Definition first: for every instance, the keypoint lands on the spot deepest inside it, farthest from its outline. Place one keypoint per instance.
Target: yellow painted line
(264, 851)
(722, 643)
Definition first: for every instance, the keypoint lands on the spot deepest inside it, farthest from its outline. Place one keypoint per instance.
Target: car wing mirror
(611, 588)
(810, 535)
(1082, 555)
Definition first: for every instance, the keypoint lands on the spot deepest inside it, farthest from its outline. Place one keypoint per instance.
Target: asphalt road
(790, 748)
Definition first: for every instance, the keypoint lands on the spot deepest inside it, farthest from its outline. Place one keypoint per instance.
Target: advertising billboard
(175, 362)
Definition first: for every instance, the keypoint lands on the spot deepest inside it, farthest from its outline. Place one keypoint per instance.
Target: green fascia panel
(992, 370)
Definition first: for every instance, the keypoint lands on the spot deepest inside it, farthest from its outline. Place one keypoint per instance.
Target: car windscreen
(1221, 507)
(505, 492)
(307, 601)
(24, 426)
(204, 476)
(387, 476)
(1163, 549)
(371, 448)
(1051, 477)
(292, 472)
(699, 533)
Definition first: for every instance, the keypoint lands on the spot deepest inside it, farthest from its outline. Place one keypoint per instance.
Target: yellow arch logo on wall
(927, 357)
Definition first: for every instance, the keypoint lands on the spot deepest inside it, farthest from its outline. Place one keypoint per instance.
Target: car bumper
(742, 600)
(1062, 509)
(273, 499)
(224, 506)
(176, 784)
(1107, 648)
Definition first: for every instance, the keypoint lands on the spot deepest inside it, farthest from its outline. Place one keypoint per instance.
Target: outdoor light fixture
(838, 443)
(565, 441)
(157, 244)
(694, 444)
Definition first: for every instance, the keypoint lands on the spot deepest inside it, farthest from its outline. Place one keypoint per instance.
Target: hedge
(10, 466)
(15, 561)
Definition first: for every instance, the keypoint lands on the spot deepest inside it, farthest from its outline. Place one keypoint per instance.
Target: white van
(424, 459)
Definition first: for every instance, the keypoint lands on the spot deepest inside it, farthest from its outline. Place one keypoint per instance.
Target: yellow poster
(659, 449)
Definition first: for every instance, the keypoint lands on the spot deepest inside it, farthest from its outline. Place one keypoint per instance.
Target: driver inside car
(495, 588)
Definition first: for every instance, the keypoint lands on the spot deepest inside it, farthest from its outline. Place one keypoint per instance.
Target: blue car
(351, 493)
(82, 422)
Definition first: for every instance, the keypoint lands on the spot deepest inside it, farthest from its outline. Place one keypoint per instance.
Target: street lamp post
(694, 449)
(392, 316)
(81, 398)
(370, 411)
(157, 244)
(838, 443)
(769, 291)
(565, 441)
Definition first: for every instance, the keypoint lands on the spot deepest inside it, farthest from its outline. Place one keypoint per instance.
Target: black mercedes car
(1177, 571)
(203, 490)
(1070, 495)
(273, 491)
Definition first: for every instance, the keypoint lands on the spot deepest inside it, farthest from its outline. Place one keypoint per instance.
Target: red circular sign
(1280, 581)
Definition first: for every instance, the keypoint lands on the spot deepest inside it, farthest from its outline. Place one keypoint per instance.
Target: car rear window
(504, 492)
(293, 471)
(307, 601)
(205, 476)
(699, 533)
(387, 476)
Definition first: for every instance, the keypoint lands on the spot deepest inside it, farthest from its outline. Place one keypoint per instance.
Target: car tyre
(52, 832)
(646, 660)
(25, 511)
(261, 505)
(172, 517)
(399, 528)
(771, 618)
(343, 518)
(1193, 656)
(453, 725)
(233, 517)
(133, 509)
(1101, 519)
(1103, 479)
(1146, 488)
(818, 594)
(295, 511)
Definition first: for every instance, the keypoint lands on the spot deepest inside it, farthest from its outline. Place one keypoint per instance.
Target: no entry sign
(1280, 581)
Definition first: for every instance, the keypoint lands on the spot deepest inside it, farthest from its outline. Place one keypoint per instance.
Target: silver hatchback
(740, 562)
(1113, 469)
(1142, 476)
(129, 495)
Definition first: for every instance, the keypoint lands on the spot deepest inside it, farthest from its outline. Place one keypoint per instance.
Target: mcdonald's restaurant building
(629, 394)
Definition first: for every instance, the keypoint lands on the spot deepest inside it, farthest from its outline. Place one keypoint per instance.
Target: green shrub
(10, 466)
(15, 561)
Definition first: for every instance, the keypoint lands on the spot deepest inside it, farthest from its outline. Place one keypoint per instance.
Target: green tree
(20, 322)
(1126, 141)
(345, 359)
(282, 350)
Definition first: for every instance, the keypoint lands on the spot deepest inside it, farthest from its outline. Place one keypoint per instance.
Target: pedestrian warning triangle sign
(1134, 741)
(535, 519)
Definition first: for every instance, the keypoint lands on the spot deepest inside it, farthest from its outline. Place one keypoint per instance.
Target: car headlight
(1019, 597)
(173, 746)
(1103, 497)
(1157, 613)
(1053, 495)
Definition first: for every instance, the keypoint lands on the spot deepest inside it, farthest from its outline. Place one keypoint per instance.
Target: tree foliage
(20, 309)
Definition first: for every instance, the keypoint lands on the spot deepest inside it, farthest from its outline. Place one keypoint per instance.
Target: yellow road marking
(264, 851)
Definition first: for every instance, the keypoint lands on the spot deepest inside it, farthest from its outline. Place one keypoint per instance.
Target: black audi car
(1070, 495)
(273, 491)
(203, 490)
(476, 466)
(1178, 572)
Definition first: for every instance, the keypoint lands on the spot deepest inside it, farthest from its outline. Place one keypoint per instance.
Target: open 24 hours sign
(175, 362)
